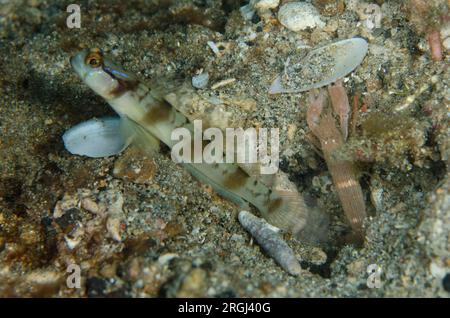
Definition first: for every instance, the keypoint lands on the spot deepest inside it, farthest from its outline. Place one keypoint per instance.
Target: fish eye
(94, 59)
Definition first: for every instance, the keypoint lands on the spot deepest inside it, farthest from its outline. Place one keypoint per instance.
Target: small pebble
(75, 237)
(445, 36)
(298, 16)
(194, 284)
(446, 43)
(268, 238)
(113, 225)
(265, 4)
(247, 13)
(89, 205)
(114, 200)
(135, 166)
(166, 258)
(370, 15)
(330, 7)
(200, 80)
(263, 7)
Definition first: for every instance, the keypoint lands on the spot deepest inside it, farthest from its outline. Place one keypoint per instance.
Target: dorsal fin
(182, 96)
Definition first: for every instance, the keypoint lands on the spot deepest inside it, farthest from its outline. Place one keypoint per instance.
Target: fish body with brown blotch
(151, 119)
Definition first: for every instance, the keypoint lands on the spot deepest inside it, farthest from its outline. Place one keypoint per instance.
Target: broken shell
(95, 138)
(115, 213)
(200, 80)
(113, 225)
(75, 237)
(320, 67)
(90, 205)
(247, 12)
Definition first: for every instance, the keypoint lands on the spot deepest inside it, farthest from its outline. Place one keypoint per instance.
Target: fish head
(101, 74)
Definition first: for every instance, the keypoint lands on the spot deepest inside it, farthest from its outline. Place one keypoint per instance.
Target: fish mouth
(71, 60)
(77, 63)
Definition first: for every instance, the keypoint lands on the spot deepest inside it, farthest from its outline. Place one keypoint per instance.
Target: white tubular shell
(270, 240)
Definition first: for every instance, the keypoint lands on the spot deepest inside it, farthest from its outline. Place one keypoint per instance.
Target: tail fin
(286, 210)
(284, 206)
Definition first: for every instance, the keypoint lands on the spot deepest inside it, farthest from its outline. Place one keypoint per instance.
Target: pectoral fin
(140, 137)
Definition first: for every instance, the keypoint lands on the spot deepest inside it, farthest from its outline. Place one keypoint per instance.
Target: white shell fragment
(261, 6)
(200, 80)
(95, 138)
(213, 47)
(320, 67)
(297, 16)
(264, 4)
(247, 12)
(114, 200)
(270, 240)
